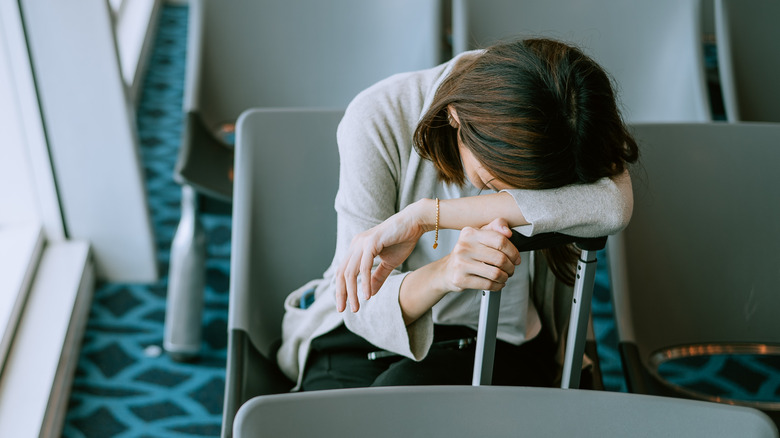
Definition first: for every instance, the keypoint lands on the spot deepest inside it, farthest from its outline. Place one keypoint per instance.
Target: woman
(534, 121)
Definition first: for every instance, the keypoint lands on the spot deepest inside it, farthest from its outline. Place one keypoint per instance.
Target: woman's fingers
(346, 284)
(356, 265)
(340, 295)
(366, 263)
(483, 259)
(350, 279)
(500, 226)
(467, 273)
(500, 239)
(379, 276)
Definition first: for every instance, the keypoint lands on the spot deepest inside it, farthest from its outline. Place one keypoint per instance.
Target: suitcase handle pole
(486, 338)
(578, 321)
(580, 311)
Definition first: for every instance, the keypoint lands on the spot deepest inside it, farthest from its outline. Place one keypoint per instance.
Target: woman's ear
(452, 117)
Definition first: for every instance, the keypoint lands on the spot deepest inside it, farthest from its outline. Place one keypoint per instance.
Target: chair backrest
(748, 44)
(303, 53)
(286, 178)
(493, 411)
(653, 49)
(698, 264)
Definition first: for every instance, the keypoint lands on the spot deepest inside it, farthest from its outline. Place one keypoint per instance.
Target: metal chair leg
(186, 282)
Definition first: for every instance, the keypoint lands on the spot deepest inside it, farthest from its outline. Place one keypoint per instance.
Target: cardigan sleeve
(372, 168)
(584, 210)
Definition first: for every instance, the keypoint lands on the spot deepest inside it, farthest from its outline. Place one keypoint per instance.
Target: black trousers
(339, 359)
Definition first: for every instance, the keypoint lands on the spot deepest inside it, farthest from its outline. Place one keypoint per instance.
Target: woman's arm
(482, 258)
(473, 211)
(393, 240)
(591, 210)
(584, 210)
(373, 168)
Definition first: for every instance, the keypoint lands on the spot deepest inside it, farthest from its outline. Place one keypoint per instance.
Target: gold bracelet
(436, 238)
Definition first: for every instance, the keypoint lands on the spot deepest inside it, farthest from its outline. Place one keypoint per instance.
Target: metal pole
(486, 338)
(578, 321)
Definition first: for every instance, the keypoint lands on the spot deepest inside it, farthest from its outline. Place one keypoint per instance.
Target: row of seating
(245, 54)
(653, 49)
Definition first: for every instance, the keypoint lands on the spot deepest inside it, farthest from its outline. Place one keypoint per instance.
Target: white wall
(135, 22)
(17, 194)
(27, 187)
(90, 129)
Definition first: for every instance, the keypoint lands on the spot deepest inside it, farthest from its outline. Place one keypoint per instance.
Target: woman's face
(479, 177)
(476, 173)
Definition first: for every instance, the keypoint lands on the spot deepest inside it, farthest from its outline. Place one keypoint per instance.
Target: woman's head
(535, 114)
(532, 114)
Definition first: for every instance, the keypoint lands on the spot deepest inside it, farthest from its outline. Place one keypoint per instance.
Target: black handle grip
(547, 240)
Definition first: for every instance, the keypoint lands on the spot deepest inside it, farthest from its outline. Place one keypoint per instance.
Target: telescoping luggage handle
(580, 308)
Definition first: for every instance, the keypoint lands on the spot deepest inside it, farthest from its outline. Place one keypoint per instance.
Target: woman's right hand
(483, 259)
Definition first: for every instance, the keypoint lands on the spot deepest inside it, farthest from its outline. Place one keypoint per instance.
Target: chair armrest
(204, 162)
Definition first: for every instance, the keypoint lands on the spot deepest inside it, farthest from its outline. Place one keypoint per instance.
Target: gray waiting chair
(491, 411)
(652, 49)
(286, 181)
(296, 53)
(695, 273)
(244, 54)
(748, 49)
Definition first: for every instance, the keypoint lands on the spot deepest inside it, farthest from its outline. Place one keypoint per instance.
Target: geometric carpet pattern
(126, 386)
(754, 378)
(604, 328)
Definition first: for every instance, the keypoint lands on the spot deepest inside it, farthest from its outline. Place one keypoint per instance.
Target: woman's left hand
(392, 241)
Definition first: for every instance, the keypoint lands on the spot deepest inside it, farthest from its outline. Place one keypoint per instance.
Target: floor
(125, 386)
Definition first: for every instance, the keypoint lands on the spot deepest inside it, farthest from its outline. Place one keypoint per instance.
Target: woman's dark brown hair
(537, 114)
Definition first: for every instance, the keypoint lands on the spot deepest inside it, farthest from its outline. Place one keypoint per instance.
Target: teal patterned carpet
(126, 386)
